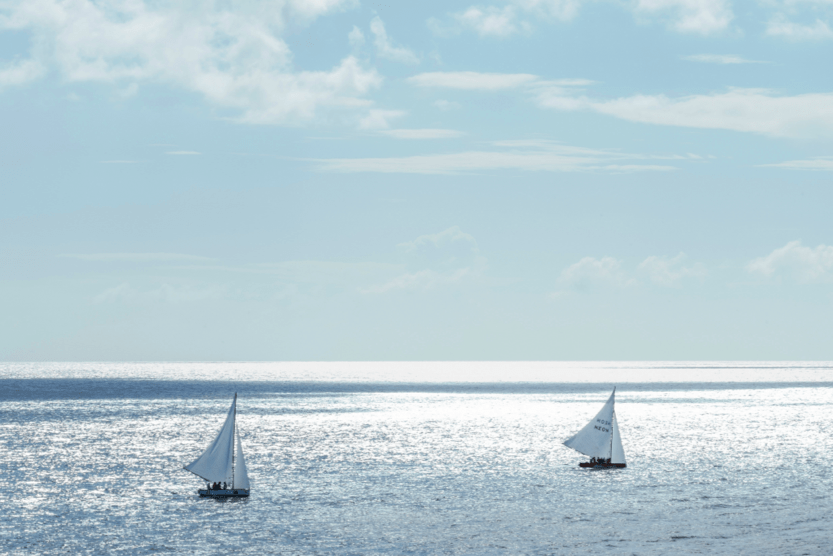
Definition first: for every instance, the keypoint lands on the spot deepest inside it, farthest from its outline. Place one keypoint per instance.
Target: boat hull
(603, 465)
(224, 493)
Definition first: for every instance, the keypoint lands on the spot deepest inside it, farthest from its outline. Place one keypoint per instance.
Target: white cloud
(491, 21)
(779, 26)
(420, 280)
(819, 163)
(379, 119)
(666, 271)
(135, 257)
(423, 133)
(690, 16)
(355, 37)
(385, 47)
(748, 110)
(235, 60)
(564, 10)
(795, 261)
(471, 80)
(443, 258)
(720, 59)
(539, 156)
(20, 73)
(446, 104)
(165, 293)
(591, 272)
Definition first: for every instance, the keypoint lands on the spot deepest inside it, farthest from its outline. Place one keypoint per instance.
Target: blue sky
(344, 180)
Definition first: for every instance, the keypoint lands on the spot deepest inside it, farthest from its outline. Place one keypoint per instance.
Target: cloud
(720, 59)
(747, 110)
(442, 258)
(690, 16)
(379, 119)
(797, 262)
(355, 37)
(779, 26)
(165, 293)
(386, 49)
(665, 271)
(136, 257)
(491, 21)
(818, 163)
(20, 73)
(186, 153)
(591, 273)
(541, 156)
(472, 81)
(236, 60)
(423, 133)
(446, 104)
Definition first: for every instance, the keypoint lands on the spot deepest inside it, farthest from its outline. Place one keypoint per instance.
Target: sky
(345, 180)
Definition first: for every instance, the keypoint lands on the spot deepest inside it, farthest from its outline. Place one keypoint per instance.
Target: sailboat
(222, 464)
(600, 439)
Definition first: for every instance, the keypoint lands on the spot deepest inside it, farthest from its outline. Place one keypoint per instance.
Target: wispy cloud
(490, 21)
(670, 271)
(136, 257)
(797, 262)
(780, 26)
(472, 80)
(379, 119)
(746, 110)
(702, 17)
(385, 47)
(20, 72)
(423, 133)
(539, 156)
(720, 59)
(591, 272)
(818, 163)
(165, 293)
(443, 258)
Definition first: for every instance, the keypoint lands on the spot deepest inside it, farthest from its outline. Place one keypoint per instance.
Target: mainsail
(600, 437)
(217, 463)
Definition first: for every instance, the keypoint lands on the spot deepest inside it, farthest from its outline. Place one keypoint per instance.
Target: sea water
(417, 458)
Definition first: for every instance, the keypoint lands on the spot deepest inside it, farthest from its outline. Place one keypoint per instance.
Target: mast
(613, 415)
(234, 430)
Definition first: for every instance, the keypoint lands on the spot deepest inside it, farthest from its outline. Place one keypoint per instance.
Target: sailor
(224, 485)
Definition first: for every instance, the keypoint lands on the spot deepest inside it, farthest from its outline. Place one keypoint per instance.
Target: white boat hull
(224, 493)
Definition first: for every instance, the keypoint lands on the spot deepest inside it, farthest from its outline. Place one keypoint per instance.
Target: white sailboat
(222, 464)
(600, 439)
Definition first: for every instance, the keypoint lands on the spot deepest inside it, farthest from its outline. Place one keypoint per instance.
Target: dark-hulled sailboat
(222, 463)
(600, 439)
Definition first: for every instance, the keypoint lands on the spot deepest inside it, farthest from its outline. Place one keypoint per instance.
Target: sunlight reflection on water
(713, 469)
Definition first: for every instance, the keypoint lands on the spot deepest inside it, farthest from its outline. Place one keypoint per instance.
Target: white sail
(594, 439)
(216, 463)
(618, 452)
(241, 474)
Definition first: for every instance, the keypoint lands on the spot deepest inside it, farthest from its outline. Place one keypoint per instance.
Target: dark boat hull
(224, 493)
(603, 465)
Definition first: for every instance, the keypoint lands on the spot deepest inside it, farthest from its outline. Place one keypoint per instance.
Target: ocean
(417, 458)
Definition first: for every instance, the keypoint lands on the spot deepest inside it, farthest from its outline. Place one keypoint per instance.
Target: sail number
(603, 423)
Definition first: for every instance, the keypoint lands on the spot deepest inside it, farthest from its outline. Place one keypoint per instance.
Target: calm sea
(417, 458)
